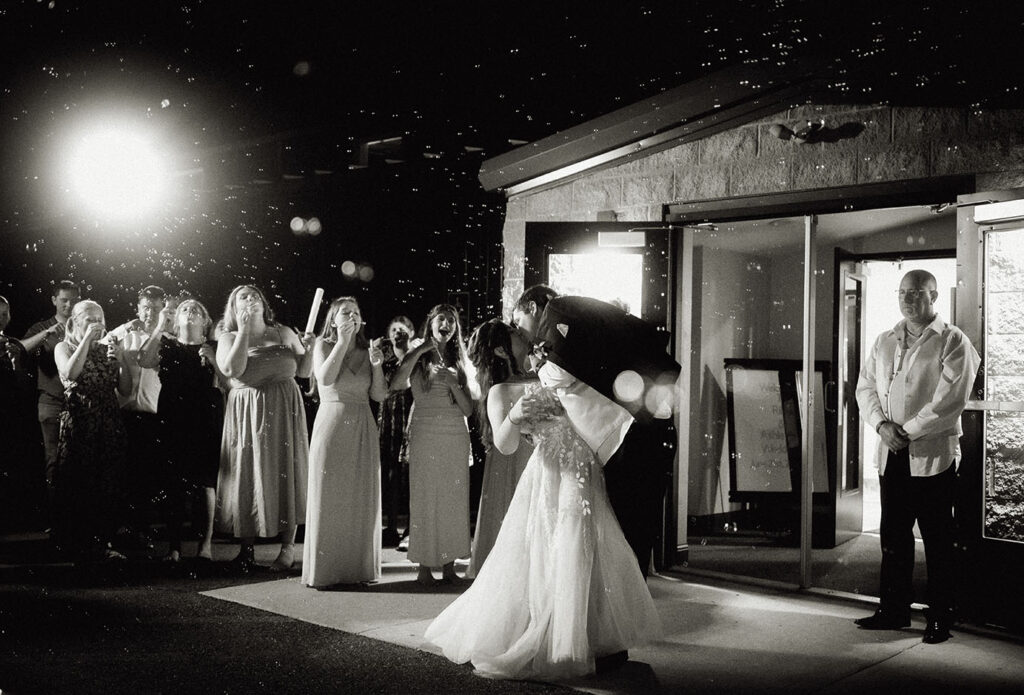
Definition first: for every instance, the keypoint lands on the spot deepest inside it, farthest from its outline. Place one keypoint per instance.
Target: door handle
(830, 395)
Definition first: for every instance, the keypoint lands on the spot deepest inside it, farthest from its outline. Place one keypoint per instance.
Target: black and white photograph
(634, 347)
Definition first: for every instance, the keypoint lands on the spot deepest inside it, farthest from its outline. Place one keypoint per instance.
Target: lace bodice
(560, 446)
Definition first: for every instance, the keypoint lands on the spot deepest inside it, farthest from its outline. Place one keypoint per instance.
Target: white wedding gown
(561, 585)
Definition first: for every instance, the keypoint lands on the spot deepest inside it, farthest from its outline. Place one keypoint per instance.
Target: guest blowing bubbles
(261, 489)
(191, 411)
(343, 534)
(89, 494)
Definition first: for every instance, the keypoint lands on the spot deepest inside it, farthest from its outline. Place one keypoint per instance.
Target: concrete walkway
(718, 637)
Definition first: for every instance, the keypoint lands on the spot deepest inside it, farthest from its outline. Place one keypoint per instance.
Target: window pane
(1004, 381)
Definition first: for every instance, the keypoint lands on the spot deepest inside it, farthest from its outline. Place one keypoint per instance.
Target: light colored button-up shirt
(145, 392)
(601, 422)
(923, 387)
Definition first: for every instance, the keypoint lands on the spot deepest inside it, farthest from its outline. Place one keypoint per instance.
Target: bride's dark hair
(489, 367)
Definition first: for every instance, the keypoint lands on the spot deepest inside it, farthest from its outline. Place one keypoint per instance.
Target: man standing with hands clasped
(912, 390)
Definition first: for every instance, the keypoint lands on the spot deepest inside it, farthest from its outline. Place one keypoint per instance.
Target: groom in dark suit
(624, 359)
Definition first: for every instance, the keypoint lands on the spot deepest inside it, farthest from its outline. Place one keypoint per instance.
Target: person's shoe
(140, 540)
(285, 559)
(403, 545)
(610, 662)
(244, 562)
(424, 577)
(936, 631)
(884, 620)
(389, 538)
(111, 555)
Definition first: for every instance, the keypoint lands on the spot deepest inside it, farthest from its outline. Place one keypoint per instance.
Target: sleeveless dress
(89, 491)
(501, 476)
(561, 585)
(261, 488)
(439, 459)
(343, 518)
(191, 410)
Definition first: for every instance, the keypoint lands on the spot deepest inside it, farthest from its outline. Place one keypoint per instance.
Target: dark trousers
(929, 501)
(394, 482)
(636, 477)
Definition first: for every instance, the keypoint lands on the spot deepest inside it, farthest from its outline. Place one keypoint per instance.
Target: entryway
(750, 334)
(882, 277)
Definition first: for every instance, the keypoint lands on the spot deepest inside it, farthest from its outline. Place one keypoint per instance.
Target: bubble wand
(318, 298)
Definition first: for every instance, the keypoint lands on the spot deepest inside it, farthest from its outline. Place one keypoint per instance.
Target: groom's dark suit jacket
(595, 342)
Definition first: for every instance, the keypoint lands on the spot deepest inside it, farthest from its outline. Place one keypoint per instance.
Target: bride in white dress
(561, 585)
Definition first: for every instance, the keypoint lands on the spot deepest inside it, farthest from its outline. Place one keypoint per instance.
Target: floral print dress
(89, 490)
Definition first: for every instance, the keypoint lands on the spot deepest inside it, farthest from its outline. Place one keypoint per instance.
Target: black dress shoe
(936, 631)
(610, 662)
(884, 620)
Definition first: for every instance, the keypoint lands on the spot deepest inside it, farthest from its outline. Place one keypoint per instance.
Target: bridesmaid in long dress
(498, 352)
(439, 455)
(343, 517)
(89, 481)
(261, 488)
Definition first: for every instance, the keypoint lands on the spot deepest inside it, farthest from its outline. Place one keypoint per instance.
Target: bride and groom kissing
(563, 591)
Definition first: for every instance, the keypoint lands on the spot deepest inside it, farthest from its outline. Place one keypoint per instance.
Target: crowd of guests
(178, 421)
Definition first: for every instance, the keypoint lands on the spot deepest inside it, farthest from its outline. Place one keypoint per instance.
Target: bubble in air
(628, 386)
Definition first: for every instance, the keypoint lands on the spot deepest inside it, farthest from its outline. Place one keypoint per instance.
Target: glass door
(849, 433)
(990, 508)
(1004, 386)
(743, 308)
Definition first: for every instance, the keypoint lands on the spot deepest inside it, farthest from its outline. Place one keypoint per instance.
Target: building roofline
(722, 100)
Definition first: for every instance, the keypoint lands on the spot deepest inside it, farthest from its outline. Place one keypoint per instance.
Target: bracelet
(878, 429)
(517, 423)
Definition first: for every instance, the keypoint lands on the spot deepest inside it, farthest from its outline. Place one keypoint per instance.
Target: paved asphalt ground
(146, 627)
(143, 627)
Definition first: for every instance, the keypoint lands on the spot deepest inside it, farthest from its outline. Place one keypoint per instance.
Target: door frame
(545, 238)
(658, 306)
(990, 567)
(930, 191)
(849, 503)
(843, 256)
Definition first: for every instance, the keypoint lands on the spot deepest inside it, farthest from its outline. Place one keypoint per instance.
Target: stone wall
(896, 144)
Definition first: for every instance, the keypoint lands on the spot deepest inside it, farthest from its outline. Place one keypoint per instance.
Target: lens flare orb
(117, 175)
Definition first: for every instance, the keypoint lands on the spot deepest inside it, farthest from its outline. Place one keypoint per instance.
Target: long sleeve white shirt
(601, 422)
(923, 387)
(145, 393)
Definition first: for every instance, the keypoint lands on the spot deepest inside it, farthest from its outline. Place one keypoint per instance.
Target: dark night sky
(232, 85)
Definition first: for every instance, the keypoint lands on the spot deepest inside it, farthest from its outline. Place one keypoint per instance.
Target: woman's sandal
(285, 559)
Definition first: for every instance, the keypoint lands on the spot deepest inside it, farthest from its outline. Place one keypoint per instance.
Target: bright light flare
(117, 174)
(628, 386)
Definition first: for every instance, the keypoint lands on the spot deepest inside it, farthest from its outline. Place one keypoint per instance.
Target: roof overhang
(720, 101)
